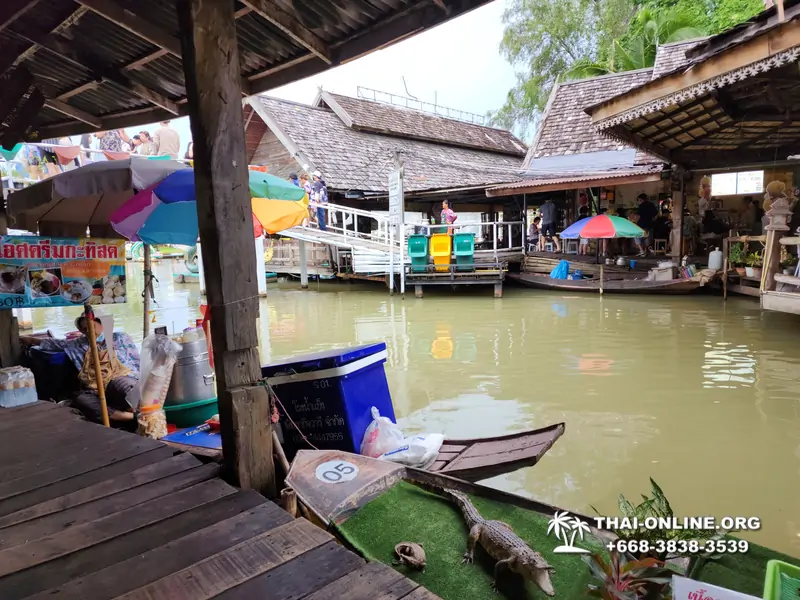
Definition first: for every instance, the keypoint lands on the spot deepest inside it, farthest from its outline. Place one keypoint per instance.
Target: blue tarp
(561, 271)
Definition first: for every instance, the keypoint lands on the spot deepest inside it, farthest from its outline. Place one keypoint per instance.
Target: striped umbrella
(166, 212)
(602, 227)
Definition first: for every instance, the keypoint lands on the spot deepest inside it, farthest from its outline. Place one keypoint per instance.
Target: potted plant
(754, 262)
(789, 265)
(736, 257)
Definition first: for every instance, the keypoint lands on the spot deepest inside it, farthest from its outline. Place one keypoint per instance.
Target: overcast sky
(458, 64)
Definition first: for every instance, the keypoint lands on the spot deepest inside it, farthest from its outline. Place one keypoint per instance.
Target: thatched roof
(69, 67)
(566, 129)
(353, 159)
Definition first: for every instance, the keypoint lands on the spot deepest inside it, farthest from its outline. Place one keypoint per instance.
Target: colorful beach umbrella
(602, 227)
(166, 212)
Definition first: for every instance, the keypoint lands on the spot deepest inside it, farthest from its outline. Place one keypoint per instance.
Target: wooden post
(225, 218)
(148, 290)
(678, 202)
(601, 278)
(9, 327)
(98, 373)
(303, 266)
(779, 215)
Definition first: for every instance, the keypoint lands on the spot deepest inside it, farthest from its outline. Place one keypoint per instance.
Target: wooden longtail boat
(482, 458)
(613, 286)
(472, 460)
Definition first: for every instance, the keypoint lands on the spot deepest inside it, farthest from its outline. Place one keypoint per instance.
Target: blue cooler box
(328, 395)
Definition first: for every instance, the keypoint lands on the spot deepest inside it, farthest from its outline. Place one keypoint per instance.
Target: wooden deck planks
(78, 482)
(89, 512)
(170, 558)
(234, 566)
(55, 523)
(297, 578)
(148, 473)
(100, 556)
(373, 581)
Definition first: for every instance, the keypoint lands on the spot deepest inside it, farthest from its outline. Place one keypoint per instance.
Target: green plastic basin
(192, 414)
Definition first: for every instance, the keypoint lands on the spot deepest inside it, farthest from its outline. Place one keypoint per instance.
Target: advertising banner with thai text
(37, 272)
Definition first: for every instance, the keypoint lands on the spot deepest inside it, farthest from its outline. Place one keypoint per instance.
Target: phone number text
(679, 546)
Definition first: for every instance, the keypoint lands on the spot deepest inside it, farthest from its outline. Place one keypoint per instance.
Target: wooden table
(91, 512)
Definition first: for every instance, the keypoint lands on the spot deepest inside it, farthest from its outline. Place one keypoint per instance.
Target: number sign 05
(336, 471)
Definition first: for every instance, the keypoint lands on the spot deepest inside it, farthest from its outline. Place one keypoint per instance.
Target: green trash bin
(418, 252)
(464, 249)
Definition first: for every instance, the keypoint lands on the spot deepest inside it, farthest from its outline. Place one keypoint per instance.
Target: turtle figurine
(411, 554)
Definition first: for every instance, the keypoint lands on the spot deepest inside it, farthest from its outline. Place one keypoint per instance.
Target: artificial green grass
(405, 513)
(742, 572)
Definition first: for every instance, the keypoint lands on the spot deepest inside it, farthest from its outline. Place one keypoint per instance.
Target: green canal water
(701, 395)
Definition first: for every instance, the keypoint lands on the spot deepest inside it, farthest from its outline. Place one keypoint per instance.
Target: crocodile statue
(500, 542)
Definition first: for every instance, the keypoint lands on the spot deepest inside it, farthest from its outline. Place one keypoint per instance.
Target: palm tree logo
(562, 525)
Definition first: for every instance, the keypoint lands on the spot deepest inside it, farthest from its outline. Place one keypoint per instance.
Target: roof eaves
(283, 137)
(606, 76)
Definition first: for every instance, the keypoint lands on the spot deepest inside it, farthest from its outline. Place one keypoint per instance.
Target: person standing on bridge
(319, 195)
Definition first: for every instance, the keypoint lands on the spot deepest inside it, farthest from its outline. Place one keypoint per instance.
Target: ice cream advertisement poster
(38, 272)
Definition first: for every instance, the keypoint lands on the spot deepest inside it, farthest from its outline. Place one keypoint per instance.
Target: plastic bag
(560, 271)
(381, 436)
(159, 353)
(417, 451)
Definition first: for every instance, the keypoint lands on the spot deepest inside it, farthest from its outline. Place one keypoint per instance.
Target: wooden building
(352, 142)
(731, 103)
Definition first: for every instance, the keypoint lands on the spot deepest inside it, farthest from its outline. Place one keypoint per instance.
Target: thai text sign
(689, 589)
(396, 195)
(38, 272)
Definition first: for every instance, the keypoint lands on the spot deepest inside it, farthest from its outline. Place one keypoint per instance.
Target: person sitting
(662, 226)
(119, 367)
(533, 233)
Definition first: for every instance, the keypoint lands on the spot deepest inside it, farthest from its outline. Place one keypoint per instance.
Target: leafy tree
(548, 40)
(544, 38)
(648, 30)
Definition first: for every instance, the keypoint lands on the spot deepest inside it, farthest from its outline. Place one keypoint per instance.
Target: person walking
(168, 141)
(319, 192)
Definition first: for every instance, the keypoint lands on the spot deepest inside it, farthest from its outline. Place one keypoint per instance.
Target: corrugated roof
(670, 57)
(360, 160)
(567, 129)
(368, 115)
(584, 178)
(338, 30)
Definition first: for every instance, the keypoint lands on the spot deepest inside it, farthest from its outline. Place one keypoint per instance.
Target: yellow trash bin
(441, 244)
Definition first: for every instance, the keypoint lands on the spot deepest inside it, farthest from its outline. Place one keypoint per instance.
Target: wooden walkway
(90, 512)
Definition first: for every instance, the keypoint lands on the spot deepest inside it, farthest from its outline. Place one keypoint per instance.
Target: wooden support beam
(127, 19)
(75, 113)
(12, 88)
(11, 10)
(9, 327)
(225, 218)
(81, 57)
(290, 25)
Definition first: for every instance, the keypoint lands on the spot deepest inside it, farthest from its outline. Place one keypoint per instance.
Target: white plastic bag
(381, 436)
(417, 451)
